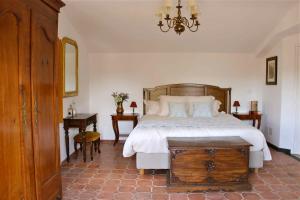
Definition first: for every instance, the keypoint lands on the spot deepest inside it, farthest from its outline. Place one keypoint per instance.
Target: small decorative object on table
(119, 99)
(253, 107)
(133, 106)
(236, 104)
(72, 110)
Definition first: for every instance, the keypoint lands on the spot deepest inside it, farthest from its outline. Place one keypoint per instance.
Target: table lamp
(133, 106)
(236, 104)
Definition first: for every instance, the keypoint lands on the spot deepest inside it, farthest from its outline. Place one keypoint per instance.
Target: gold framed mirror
(70, 67)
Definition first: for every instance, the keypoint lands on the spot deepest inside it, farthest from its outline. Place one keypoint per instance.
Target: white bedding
(149, 136)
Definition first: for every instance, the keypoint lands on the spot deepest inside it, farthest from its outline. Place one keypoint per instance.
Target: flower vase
(120, 109)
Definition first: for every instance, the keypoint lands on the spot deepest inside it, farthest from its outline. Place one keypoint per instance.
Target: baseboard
(297, 158)
(65, 160)
(286, 151)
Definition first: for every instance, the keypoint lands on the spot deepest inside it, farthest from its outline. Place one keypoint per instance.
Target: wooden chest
(208, 163)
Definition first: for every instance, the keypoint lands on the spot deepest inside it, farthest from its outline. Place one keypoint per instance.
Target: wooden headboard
(189, 89)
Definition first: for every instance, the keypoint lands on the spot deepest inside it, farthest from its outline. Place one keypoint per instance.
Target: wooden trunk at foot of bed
(208, 163)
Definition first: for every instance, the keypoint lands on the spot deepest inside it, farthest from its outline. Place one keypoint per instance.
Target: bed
(149, 139)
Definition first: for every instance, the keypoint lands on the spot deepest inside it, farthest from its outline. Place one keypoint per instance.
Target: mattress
(150, 135)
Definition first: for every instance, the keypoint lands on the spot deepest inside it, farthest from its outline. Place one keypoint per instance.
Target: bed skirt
(161, 160)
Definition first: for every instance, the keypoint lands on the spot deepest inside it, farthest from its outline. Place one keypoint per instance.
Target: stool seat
(90, 136)
(87, 137)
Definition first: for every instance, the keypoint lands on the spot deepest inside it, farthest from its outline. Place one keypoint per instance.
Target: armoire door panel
(46, 148)
(10, 138)
(16, 174)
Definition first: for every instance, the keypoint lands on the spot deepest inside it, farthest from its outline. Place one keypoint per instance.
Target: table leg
(81, 131)
(67, 143)
(95, 126)
(135, 122)
(253, 123)
(116, 130)
(91, 151)
(258, 123)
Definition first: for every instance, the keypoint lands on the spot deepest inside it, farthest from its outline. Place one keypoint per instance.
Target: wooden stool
(87, 137)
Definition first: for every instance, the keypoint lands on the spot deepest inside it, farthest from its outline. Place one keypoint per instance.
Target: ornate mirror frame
(69, 41)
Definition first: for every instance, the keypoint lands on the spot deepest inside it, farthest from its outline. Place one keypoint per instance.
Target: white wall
(296, 145)
(288, 95)
(280, 102)
(132, 72)
(272, 101)
(65, 29)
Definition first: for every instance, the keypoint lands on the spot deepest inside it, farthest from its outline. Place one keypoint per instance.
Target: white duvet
(149, 136)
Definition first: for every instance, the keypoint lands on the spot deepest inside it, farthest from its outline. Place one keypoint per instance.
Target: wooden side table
(254, 116)
(80, 121)
(124, 117)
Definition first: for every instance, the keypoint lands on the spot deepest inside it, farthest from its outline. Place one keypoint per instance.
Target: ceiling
(131, 26)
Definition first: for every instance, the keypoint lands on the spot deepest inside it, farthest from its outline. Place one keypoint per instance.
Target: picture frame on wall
(271, 70)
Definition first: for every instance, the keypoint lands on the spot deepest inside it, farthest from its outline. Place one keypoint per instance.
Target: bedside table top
(125, 116)
(247, 114)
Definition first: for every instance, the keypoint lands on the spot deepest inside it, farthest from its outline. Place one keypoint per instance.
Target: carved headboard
(189, 89)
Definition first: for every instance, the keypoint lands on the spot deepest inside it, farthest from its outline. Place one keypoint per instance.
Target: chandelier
(179, 23)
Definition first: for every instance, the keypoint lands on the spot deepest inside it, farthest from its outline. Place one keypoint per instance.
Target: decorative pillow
(177, 109)
(164, 103)
(202, 109)
(216, 107)
(152, 107)
(198, 99)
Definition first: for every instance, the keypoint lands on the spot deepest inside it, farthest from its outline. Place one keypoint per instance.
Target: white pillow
(202, 109)
(165, 100)
(177, 109)
(198, 99)
(216, 107)
(152, 107)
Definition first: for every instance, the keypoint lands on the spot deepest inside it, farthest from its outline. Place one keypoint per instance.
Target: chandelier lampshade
(179, 23)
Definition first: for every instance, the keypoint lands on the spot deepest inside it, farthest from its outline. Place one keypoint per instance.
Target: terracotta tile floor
(110, 176)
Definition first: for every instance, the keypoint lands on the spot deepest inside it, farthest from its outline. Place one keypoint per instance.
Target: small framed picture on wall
(271, 72)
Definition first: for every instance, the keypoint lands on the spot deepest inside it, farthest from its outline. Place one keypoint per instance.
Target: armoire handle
(24, 111)
(36, 112)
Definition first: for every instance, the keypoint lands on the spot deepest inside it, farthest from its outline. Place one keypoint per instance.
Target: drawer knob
(210, 166)
(210, 152)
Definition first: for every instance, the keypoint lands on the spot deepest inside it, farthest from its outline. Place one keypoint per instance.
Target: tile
(112, 177)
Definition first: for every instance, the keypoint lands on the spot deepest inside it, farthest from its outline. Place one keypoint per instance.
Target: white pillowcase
(152, 107)
(165, 100)
(202, 109)
(198, 99)
(177, 109)
(216, 107)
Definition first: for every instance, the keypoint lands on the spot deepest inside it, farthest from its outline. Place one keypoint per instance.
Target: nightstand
(254, 116)
(123, 117)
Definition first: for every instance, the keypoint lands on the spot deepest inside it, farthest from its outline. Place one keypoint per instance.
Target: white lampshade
(192, 3)
(194, 10)
(168, 4)
(160, 13)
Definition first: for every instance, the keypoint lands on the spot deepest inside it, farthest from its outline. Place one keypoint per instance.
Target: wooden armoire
(29, 137)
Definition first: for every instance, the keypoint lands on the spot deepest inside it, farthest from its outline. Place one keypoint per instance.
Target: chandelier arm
(169, 23)
(173, 22)
(187, 22)
(167, 30)
(194, 29)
